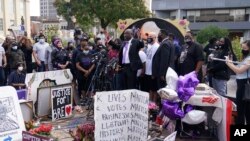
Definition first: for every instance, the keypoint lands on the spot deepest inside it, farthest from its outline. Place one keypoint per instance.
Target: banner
(11, 119)
(61, 101)
(32, 137)
(121, 115)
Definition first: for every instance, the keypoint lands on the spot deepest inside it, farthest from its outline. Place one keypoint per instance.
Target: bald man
(150, 52)
(129, 59)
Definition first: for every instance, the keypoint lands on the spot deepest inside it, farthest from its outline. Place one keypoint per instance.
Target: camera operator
(85, 68)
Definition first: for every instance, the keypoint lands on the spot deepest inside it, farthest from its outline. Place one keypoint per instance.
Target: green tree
(106, 11)
(237, 47)
(209, 32)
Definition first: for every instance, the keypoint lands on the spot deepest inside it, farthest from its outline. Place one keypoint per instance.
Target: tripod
(92, 88)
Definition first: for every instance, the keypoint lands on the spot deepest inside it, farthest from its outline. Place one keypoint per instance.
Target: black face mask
(245, 52)
(160, 39)
(188, 41)
(149, 40)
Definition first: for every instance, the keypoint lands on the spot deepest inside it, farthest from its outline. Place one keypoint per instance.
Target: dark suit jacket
(135, 61)
(163, 58)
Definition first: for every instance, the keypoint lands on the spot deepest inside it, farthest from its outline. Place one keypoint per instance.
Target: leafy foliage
(209, 32)
(237, 47)
(107, 12)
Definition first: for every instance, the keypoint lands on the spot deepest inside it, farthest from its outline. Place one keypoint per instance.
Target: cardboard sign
(121, 115)
(61, 101)
(32, 137)
(171, 137)
(46, 79)
(11, 119)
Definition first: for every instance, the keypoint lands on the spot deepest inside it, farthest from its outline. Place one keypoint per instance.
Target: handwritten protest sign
(61, 101)
(11, 119)
(171, 137)
(32, 137)
(121, 115)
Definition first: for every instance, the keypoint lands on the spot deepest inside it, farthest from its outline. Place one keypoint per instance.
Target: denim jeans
(220, 86)
(41, 68)
(2, 77)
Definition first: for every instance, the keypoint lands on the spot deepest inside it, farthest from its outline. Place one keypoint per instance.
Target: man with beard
(191, 58)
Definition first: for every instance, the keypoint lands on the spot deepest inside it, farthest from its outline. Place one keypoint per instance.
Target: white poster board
(11, 119)
(121, 115)
(171, 137)
(45, 79)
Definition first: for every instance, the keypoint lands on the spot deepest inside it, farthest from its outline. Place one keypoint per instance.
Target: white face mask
(85, 51)
(42, 41)
(91, 48)
(14, 47)
(20, 68)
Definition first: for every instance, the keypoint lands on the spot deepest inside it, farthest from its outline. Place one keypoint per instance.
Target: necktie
(125, 52)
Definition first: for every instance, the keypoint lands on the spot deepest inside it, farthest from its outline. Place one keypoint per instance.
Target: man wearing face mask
(16, 55)
(102, 37)
(48, 61)
(39, 50)
(150, 52)
(17, 77)
(98, 47)
(85, 68)
(163, 58)
(191, 58)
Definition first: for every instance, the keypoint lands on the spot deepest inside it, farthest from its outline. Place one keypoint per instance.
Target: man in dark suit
(129, 59)
(163, 58)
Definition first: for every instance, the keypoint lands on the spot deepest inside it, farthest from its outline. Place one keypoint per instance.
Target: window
(1, 6)
(238, 14)
(192, 15)
(12, 22)
(1, 24)
(226, 11)
(22, 8)
(11, 5)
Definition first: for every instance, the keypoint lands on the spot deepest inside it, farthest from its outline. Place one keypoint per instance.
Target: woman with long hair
(242, 71)
(218, 69)
(25, 45)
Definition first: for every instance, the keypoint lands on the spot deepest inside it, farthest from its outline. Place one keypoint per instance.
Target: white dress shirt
(150, 52)
(126, 52)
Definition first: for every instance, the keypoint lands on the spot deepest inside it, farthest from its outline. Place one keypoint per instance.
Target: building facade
(47, 10)
(49, 17)
(233, 15)
(11, 13)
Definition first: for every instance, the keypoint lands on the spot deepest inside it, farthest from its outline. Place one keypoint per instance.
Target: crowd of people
(139, 63)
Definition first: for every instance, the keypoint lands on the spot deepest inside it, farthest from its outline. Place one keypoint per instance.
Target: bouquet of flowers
(43, 129)
(84, 132)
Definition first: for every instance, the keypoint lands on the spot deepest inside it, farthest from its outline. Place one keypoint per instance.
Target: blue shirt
(244, 74)
(15, 78)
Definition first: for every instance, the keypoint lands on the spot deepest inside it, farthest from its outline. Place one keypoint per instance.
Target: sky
(34, 8)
